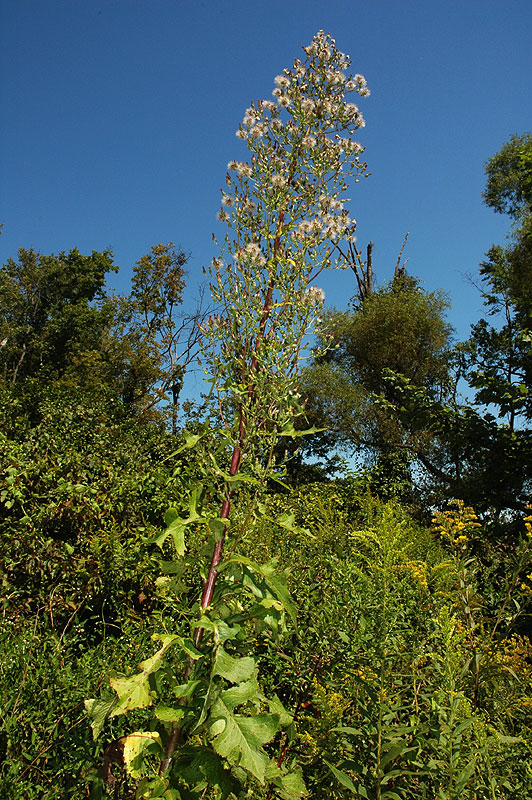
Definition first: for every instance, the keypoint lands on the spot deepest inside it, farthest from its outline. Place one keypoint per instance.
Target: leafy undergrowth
(407, 675)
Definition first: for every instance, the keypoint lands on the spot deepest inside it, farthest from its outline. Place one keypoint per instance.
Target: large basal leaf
(132, 692)
(239, 739)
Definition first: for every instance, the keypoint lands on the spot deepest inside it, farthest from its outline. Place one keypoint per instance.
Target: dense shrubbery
(79, 490)
(404, 676)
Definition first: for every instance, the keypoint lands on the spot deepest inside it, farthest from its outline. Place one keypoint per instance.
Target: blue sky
(119, 119)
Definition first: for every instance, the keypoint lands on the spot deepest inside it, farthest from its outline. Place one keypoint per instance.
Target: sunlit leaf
(242, 738)
(135, 747)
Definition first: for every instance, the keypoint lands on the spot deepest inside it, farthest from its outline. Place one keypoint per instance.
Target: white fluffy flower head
(315, 295)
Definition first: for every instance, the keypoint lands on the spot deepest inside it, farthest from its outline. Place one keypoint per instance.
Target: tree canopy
(396, 388)
(59, 324)
(52, 308)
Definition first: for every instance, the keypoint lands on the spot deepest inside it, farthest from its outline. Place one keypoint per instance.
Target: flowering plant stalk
(284, 208)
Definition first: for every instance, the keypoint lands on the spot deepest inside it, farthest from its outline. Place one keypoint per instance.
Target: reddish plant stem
(236, 458)
(208, 586)
(299, 707)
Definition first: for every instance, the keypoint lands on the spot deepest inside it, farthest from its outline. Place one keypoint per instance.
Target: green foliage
(398, 327)
(401, 675)
(509, 177)
(468, 454)
(47, 316)
(221, 704)
(404, 678)
(155, 342)
(46, 672)
(59, 325)
(78, 493)
(499, 358)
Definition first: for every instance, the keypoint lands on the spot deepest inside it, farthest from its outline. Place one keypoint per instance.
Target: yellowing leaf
(135, 747)
(134, 692)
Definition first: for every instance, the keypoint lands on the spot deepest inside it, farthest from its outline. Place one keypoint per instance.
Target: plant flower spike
(285, 209)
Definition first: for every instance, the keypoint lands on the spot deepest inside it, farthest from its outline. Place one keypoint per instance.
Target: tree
(499, 356)
(49, 311)
(59, 324)
(480, 449)
(509, 178)
(398, 327)
(392, 383)
(161, 340)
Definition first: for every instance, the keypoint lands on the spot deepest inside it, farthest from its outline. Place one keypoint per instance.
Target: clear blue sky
(119, 119)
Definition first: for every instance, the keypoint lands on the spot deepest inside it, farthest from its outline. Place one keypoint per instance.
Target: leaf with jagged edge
(240, 739)
(290, 785)
(286, 719)
(233, 479)
(288, 522)
(273, 581)
(175, 525)
(221, 630)
(289, 430)
(134, 692)
(202, 767)
(240, 694)
(98, 711)
(233, 669)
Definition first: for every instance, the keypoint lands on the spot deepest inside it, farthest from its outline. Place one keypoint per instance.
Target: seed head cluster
(285, 208)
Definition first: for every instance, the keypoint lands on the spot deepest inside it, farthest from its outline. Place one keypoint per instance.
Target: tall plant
(284, 208)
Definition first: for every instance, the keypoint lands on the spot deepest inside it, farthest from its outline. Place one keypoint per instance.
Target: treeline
(406, 669)
(454, 415)
(438, 418)
(62, 328)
